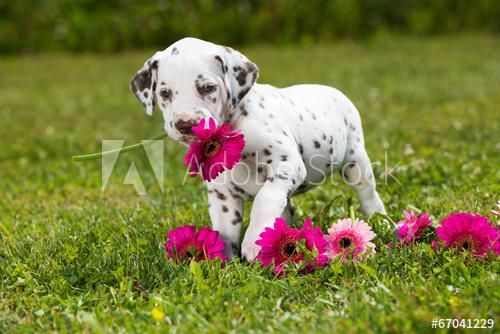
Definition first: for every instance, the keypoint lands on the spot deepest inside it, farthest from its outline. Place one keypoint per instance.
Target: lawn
(73, 259)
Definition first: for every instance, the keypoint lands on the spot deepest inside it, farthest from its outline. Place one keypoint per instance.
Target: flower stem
(351, 212)
(132, 147)
(318, 217)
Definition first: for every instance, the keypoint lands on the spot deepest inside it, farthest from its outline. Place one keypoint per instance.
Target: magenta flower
(470, 232)
(315, 240)
(216, 150)
(281, 245)
(412, 226)
(350, 240)
(211, 243)
(186, 242)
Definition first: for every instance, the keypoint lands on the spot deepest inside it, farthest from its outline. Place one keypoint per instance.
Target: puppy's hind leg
(357, 172)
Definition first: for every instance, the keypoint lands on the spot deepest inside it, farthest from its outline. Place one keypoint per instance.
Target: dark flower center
(466, 244)
(192, 251)
(345, 242)
(188, 252)
(212, 148)
(288, 248)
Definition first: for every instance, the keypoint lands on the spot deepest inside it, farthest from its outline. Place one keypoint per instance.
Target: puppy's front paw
(249, 250)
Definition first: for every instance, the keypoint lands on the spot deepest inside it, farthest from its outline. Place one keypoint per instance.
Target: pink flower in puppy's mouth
(186, 242)
(467, 231)
(217, 149)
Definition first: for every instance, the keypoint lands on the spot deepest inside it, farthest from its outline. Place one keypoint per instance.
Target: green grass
(72, 259)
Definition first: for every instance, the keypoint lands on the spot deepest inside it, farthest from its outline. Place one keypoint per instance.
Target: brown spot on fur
(142, 80)
(240, 75)
(238, 189)
(220, 195)
(222, 65)
(243, 93)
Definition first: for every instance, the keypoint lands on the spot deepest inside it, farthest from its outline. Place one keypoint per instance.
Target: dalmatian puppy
(295, 136)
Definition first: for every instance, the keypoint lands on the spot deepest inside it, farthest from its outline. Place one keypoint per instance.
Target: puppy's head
(193, 80)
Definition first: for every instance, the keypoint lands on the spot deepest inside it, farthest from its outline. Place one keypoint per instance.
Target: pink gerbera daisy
(350, 239)
(217, 149)
(470, 232)
(186, 242)
(412, 226)
(281, 245)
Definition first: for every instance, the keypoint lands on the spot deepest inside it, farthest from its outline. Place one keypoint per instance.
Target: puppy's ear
(239, 73)
(143, 84)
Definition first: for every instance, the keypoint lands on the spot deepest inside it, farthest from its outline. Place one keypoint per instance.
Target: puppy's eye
(207, 88)
(166, 93)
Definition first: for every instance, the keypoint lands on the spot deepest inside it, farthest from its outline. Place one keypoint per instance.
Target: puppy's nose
(184, 127)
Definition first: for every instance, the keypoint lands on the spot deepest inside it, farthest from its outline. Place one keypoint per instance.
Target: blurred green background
(108, 26)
